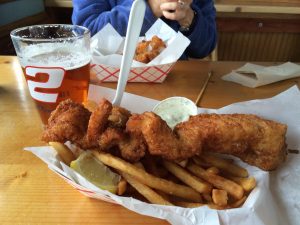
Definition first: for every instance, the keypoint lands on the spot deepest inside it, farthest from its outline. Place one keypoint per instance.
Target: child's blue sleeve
(204, 35)
(95, 14)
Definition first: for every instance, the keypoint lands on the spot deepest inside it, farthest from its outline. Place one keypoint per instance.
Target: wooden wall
(247, 46)
(259, 39)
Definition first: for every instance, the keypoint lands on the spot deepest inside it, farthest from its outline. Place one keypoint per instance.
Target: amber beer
(55, 60)
(74, 85)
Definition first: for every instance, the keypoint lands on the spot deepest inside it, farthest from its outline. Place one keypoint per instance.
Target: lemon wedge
(96, 172)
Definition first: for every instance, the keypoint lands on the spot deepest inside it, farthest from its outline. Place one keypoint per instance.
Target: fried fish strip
(161, 140)
(255, 140)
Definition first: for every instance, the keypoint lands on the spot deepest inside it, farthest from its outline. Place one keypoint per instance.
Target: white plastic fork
(134, 27)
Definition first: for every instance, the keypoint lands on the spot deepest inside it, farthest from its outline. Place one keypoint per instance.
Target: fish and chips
(171, 167)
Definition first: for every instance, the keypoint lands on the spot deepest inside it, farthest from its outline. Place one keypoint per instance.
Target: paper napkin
(251, 75)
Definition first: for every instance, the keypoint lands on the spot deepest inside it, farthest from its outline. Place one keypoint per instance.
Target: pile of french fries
(202, 180)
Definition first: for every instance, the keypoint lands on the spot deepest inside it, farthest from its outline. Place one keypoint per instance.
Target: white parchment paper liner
(251, 75)
(275, 200)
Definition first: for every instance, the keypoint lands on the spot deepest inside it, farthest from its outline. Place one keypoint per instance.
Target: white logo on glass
(56, 76)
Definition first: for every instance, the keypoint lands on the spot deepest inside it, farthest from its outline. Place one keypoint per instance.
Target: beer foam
(65, 55)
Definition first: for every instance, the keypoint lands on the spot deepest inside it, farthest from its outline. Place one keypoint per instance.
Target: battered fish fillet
(97, 123)
(160, 140)
(131, 147)
(257, 141)
(71, 121)
(118, 117)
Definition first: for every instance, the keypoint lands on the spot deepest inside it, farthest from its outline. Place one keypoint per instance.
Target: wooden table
(32, 194)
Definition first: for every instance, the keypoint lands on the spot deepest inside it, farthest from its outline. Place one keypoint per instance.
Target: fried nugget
(148, 50)
(64, 125)
(142, 47)
(157, 43)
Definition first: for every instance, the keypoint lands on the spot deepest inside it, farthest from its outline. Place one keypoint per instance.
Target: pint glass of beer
(55, 60)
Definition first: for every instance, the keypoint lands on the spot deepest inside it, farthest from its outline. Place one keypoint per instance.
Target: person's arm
(197, 20)
(203, 34)
(95, 14)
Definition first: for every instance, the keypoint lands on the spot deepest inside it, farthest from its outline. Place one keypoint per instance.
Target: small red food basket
(155, 74)
(107, 47)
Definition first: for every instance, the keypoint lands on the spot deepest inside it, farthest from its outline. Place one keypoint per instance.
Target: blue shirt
(95, 14)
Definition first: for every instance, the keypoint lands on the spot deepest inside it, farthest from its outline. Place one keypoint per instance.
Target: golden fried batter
(131, 147)
(160, 140)
(148, 50)
(118, 117)
(102, 128)
(64, 123)
(255, 140)
(98, 122)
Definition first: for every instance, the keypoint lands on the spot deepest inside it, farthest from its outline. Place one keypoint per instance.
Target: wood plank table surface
(32, 194)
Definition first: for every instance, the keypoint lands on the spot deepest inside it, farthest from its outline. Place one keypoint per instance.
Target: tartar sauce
(175, 110)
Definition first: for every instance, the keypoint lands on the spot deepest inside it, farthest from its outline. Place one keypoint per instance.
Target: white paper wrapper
(107, 47)
(274, 201)
(251, 75)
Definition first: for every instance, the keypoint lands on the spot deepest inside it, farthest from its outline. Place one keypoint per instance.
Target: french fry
(122, 186)
(247, 183)
(213, 170)
(189, 204)
(148, 179)
(219, 197)
(187, 178)
(144, 190)
(201, 163)
(207, 197)
(152, 167)
(218, 207)
(64, 152)
(219, 182)
(183, 163)
(139, 165)
(224, 164)
(162, 194)
(238, 203)
(196, 205)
